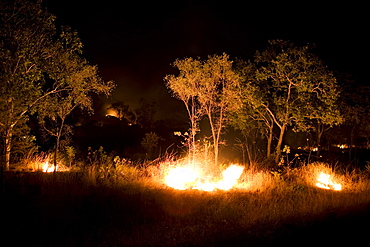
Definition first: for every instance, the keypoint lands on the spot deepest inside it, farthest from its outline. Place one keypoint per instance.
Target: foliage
(24, 142)
(26, 33)
(145, 113)
(184, 88)
(252, 118)
(207, 88)
(150, 142)
(41, 69)
(290, 87)
(355, 109)
(69, 155)
(123, 111)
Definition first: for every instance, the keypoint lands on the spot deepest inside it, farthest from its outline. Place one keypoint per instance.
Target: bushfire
(325, 182)
(190, 177)
(49, 167)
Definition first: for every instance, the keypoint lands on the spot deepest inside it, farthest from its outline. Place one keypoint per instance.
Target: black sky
(134, 43)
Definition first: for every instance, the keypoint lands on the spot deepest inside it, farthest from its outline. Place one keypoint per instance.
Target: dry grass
(128, 206)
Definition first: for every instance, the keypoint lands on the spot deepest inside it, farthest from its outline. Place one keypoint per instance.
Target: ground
(47, 210)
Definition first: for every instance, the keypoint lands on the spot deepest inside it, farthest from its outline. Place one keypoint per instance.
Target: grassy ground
(88, 209)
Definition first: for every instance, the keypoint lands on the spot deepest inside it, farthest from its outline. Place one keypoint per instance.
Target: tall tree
(355, 109)
(300, 87)
(25, 36)
(252, 116)
(218, 94)
(79, 80)
(208, 88)
(36, 63)
(145, 113)
(184, 87)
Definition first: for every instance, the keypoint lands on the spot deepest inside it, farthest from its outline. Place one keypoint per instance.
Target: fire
(182, 178)
(230, 177)
(48, 167)
(325, 182)
(111, 113)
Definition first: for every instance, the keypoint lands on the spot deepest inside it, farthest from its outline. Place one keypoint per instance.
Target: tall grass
(126, 204)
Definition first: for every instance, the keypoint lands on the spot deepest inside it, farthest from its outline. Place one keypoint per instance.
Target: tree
(123, 111)
(218, 94)
(37, 65)
(300, 87)
(184, 87)
(75, 80)
(207, 88)
(252, 116)
(83, 80)
(23, 142)
(145, 113)
(26, 33)
(355, 109)
(150, 142)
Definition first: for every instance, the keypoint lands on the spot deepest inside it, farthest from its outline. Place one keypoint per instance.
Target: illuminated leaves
(207, 88)
(300, 87)
(40, 69)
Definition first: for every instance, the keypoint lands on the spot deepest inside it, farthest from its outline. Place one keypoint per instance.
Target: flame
(325, 182)
(48, 168)
(111, 113)
(230, 177)
(182, 178)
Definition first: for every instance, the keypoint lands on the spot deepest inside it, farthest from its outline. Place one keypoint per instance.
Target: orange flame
(48, 168)
(325, 182)
(182, 178)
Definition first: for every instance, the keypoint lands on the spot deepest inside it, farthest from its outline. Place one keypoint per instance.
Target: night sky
(135, 42)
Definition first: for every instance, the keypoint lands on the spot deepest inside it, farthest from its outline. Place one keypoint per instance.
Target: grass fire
(171, 142)
(191, 177)
(119, 201)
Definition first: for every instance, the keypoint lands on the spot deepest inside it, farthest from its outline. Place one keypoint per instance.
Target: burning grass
(124, 205)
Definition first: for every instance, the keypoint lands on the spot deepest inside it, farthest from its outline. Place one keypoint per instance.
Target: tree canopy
(41, 68)
(294, 88)
(207, 88)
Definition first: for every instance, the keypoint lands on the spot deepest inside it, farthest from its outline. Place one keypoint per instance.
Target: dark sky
(134, 42)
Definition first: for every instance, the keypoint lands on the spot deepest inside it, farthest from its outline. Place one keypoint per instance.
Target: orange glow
(48, 167)
(111, 113)
(181, 178)
(190, 177)
(325, 182)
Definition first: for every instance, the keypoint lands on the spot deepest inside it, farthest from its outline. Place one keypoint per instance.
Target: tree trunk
(7, 148)
(216, 153)
(193, 131)
(351, 144)
(191, 109)
(269, 140)
(56, 154)
(216, 133)
(215, 138)
(248, 149)
(319, 135)
(280, 142)
(59, 134)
